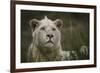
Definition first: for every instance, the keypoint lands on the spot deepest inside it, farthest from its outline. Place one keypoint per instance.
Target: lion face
(46, 33)
(49, 35)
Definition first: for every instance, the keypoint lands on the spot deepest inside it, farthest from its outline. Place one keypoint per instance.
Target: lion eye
(43, 28)
(53, 29)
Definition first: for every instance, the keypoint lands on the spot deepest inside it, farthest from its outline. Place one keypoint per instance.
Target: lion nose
(49, 35)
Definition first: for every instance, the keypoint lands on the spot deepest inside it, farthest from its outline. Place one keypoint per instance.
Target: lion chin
(49, 44)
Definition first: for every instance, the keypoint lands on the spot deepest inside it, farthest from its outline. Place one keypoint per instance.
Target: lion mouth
(49, 42)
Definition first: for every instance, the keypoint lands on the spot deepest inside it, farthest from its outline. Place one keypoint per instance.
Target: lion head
(46, 33)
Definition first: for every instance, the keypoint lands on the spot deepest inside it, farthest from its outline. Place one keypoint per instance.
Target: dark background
(74, 33)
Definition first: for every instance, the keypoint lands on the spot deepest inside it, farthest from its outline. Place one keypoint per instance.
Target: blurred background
(74, 33)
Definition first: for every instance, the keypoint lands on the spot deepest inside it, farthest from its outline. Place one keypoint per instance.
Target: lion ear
(58, 23)
(33, 24)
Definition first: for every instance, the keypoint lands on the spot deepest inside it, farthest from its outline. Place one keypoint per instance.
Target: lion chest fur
(45, 44)
(39, 56)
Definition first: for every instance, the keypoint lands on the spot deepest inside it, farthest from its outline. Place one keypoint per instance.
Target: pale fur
(84, 50)
(39, 50)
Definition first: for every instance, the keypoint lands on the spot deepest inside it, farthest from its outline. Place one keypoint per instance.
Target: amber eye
(42, 28)
(53, 29)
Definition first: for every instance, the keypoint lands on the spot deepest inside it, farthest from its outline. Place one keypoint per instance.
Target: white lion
(46, 45)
